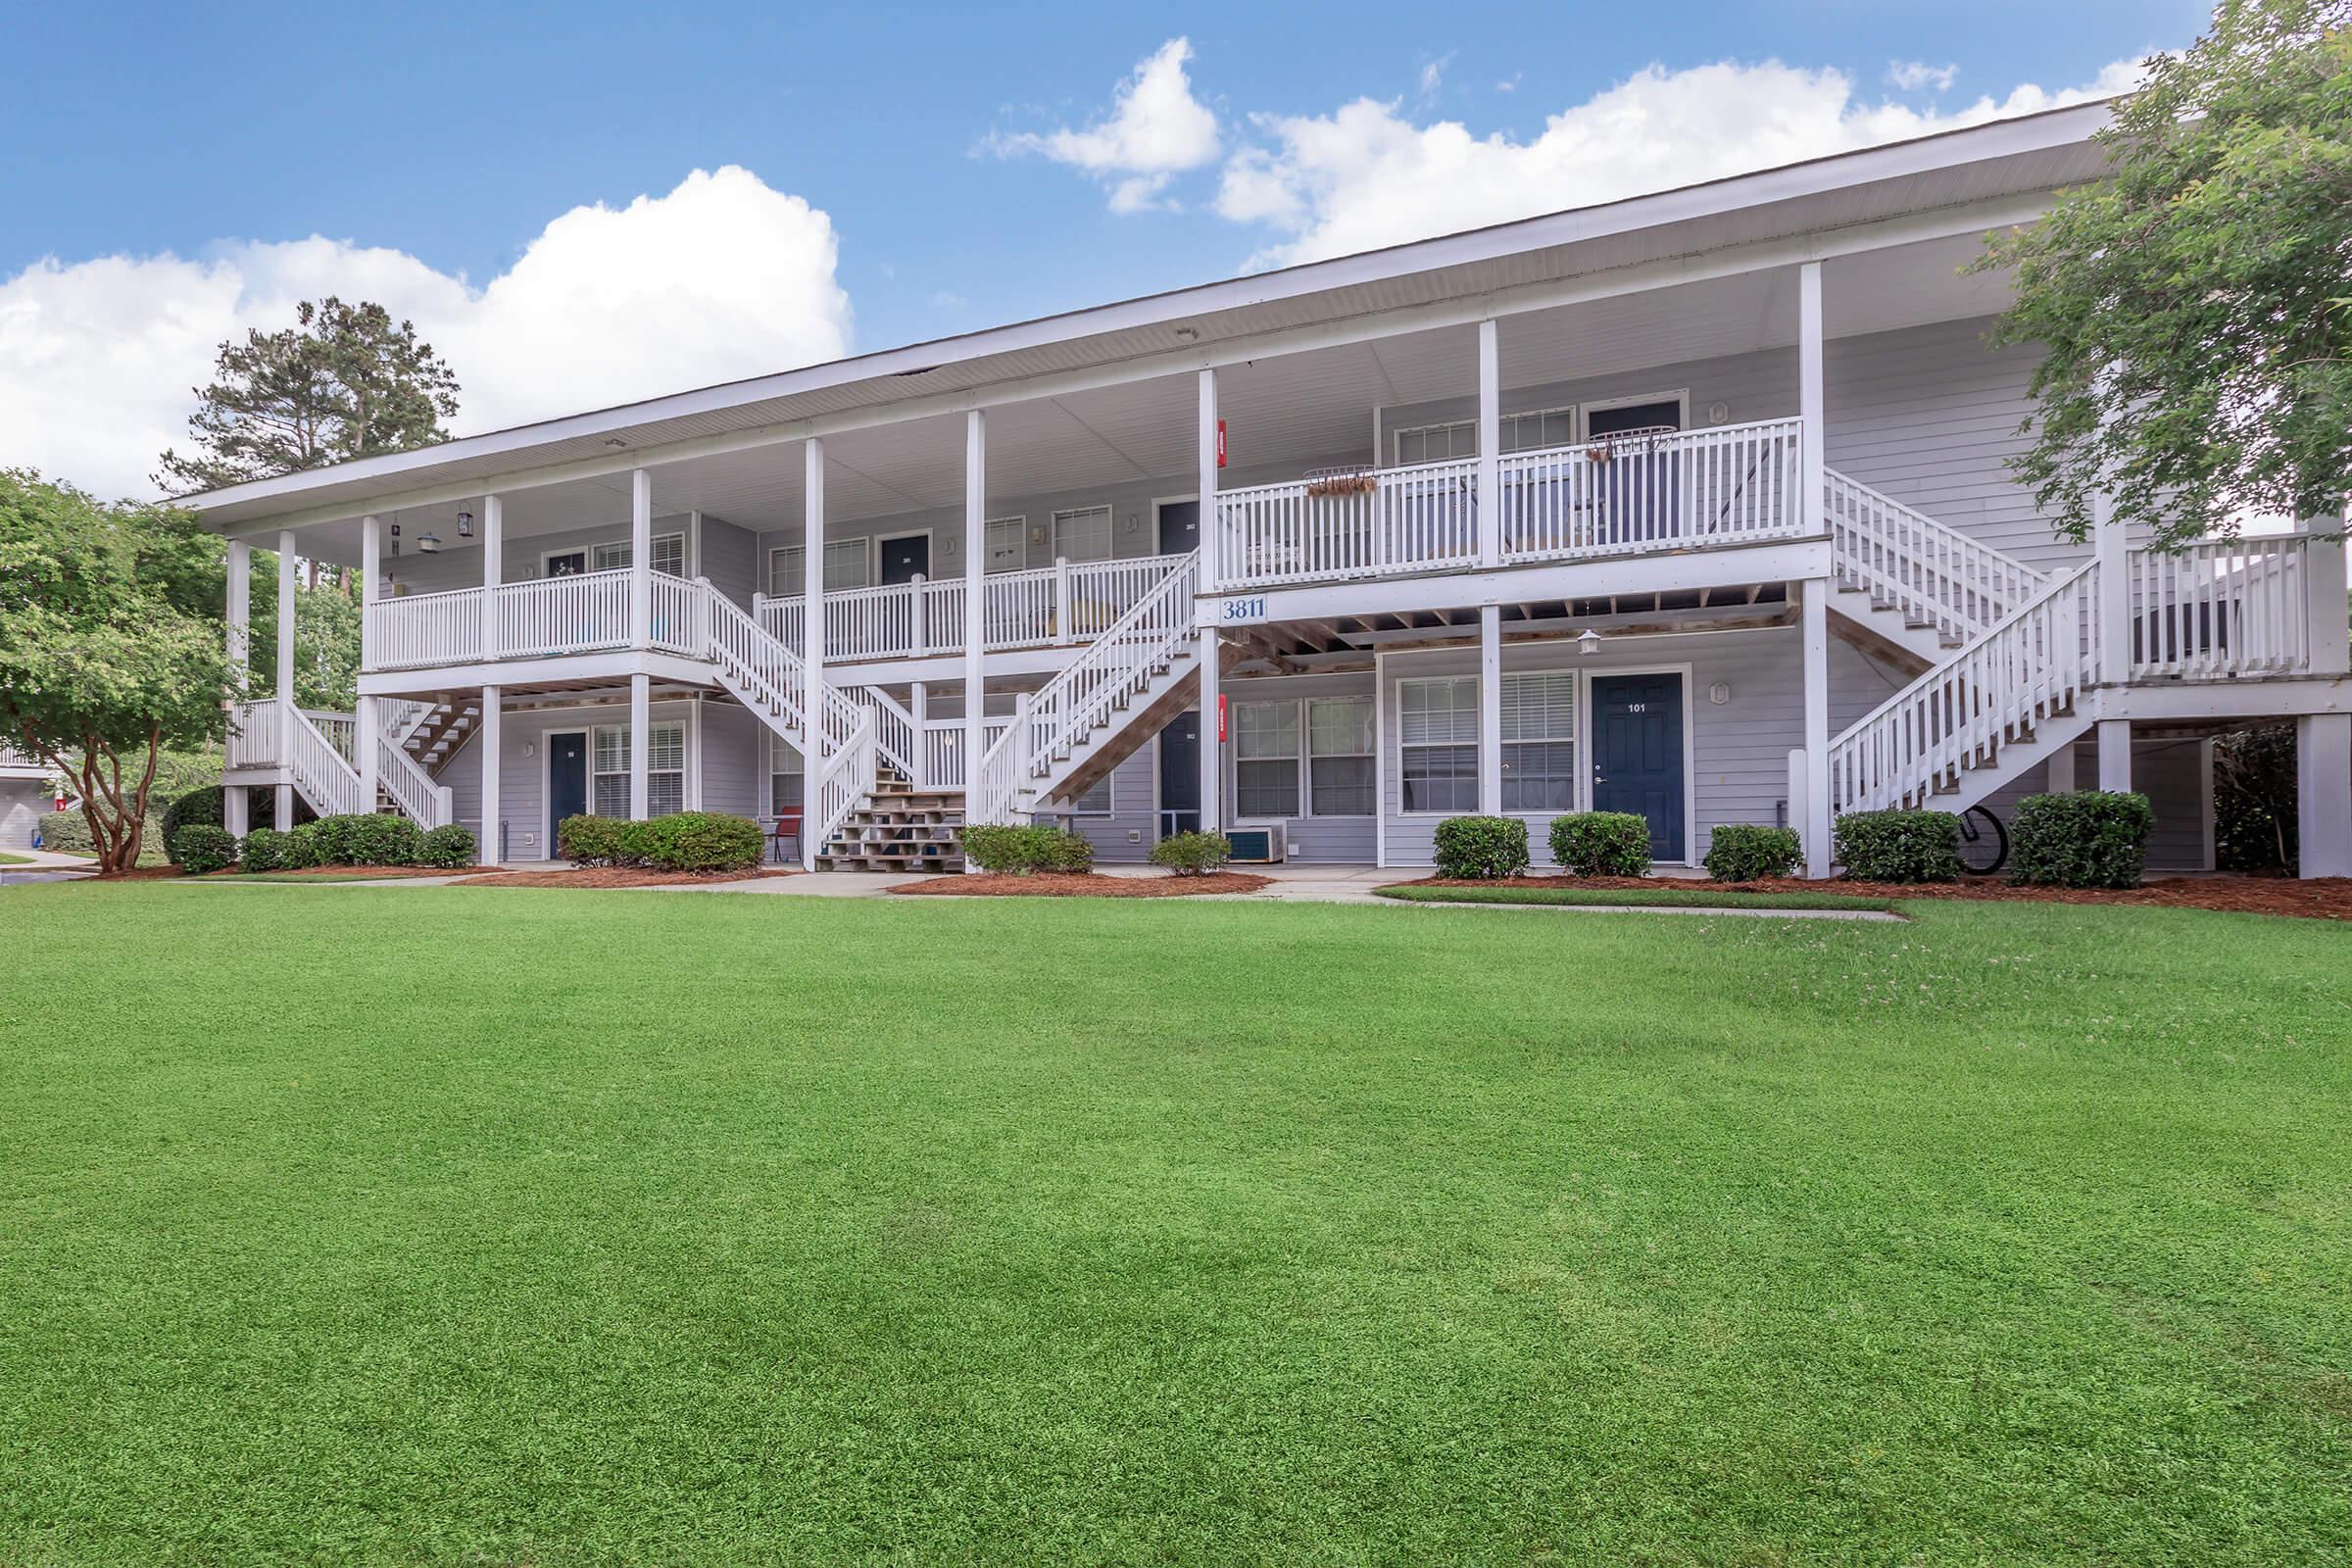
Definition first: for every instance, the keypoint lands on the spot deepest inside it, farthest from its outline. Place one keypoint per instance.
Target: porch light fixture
(427, 544)
(1589, 642)
(465, 524)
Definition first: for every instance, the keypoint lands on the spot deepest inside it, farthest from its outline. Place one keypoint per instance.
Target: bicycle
(1984, 842)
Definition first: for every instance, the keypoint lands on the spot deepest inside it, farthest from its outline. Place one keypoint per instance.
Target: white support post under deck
(812, 632)
(1212, 748)
(1812, 814)
(240, 661)
(1489, 710)
(363, 733)
(493, 570)
(641, 717)
(489, 740)
(283, 803)
(2323, 742)
(975, 562)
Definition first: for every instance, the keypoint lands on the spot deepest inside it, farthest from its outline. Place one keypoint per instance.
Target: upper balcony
(581, 614)
(1618, 495)
(1065, 603)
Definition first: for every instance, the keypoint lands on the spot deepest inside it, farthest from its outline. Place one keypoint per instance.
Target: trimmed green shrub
(1482, 847)
(204, 848)
(1898, 846)
(300, 848)
(196, 808)
(1193, 854)
(367, 838)
(1601, 844)
(64, 833)
(265, 850)
(694, 841)
(1025, 849)
(446, 848)
(1743, 852)
(2093, 839)
(590, 840)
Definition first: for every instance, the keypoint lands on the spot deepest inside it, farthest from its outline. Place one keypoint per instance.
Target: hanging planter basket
(1346, 484)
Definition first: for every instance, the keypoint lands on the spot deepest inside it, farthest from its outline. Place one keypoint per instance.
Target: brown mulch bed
(1085, 885)
(350, 873)
(2319, 899)
(613, 876)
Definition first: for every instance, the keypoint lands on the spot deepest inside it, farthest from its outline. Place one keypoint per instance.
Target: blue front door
(1638, 755)
(567, 781)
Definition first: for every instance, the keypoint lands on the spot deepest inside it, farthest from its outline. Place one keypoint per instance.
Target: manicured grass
(7, 858)
(1700, 896)
(401, 1225)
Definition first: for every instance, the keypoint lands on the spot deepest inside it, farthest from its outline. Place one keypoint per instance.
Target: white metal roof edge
(1999, 138)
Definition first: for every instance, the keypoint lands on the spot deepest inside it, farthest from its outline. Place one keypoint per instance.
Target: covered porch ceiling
(1282, 413)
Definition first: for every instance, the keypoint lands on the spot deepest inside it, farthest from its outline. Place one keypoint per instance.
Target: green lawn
(398, 1225)
(7, 858)
(1702, 897)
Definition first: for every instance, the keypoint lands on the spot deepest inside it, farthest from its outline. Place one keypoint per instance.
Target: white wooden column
(2115, 754)
(975, 587)
(918, 698)
(1212, 746)
(2323, 792)
(640, 558)
(364, 728)
(2112, 550)
(1212, 531)
(1490, 446)
(1812, 813)
(641, 717)
(1489, 710)
(283, 813)
(1811, 398)
(489, 740)
(812, 614)
(494, 570)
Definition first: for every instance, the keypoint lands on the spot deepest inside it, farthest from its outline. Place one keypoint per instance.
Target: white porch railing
(318, 771)
(553, 615)
(2227, 607)
(1059, 718)
(1622, 495)
(2032, 665)
(257, 734)
(1904, 559)
(1045, 607)
(942, 749)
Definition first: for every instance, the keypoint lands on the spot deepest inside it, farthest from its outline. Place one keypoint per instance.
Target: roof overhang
(1977, 174)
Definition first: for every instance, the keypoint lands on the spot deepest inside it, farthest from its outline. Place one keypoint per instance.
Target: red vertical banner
(1220, 443)
(1220, 718)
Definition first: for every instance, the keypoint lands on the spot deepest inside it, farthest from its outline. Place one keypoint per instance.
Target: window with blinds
(669, 555)
(1437, 721)
(786, 783)
(1083, 534)
(664, 771)
(1458, 438)
(1007, 544)
(1265, 759)
(1339, 745)
(845, 568)
(1538, 741)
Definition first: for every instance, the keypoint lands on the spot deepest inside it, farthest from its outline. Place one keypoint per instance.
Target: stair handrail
(776, 673)
(1063, 711)
(331, 784)
(849, 775)
(429, 804)
(2034, 661)
(1902, 557)
(895, 738)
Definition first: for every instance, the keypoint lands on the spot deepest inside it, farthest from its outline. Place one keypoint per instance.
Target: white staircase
(770, 680)
(1909, 584)
(318, 763)
(1097, 707)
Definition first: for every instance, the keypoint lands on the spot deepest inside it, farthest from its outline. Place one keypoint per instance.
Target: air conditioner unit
(1258, 846)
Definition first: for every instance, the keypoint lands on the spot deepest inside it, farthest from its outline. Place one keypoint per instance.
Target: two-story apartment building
(1694, 505)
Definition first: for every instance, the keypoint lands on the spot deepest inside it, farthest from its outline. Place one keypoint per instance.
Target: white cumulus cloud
(1913, 75)
(1155, 129)
(1365, 175)
(720, 278)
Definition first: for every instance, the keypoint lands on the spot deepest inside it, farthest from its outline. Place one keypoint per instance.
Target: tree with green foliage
(326, 640)
(2196, 303)
(112, 646)
(345, 382)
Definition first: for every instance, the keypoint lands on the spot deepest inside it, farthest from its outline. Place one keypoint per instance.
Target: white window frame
(681, 772)
(1111, 531)
(1298, 783)
(1471, 679)
(1019, 523)
(1572, 737)
(775, 554)
(780, 754)
(597, 552)
(1397, 442)
(1569, 413)
(1309, 755)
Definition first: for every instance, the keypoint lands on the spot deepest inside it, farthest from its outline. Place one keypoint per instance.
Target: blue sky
(454, 139)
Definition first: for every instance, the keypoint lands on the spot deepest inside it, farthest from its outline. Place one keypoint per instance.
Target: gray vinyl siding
(1312, 840)
(733, 762)
(1125, 837)
(525, 558)
(2174, 775)
(522, 788)
(730, 558)
(22, 802)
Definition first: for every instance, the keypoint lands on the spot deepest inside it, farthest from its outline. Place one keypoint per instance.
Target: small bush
(695, 841)
(199, 808)
(1898, 846)
(1741, 852)
(300, 848)
(1601, 844)
(66, 833)
(367, 838)
(1482, 847)
(446, 848)
(1193, 854)
(2094, 838)
(204, 848)
(1025, 849)
(265, 850)
(591, 839)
